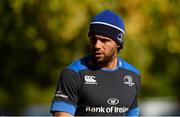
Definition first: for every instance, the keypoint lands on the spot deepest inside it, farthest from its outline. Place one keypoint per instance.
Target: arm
(62, 114)
(134, 109)
(66, 96)
(133, 112)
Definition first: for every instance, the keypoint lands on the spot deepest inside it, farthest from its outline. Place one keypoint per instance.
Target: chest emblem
(90, 79)
(113, 101)
(128, 79)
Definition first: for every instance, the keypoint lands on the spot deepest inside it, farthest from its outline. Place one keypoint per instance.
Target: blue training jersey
(86, 90)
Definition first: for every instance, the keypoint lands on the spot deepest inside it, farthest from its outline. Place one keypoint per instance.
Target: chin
(99, 60)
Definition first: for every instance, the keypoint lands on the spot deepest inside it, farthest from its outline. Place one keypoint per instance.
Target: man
(101, 83)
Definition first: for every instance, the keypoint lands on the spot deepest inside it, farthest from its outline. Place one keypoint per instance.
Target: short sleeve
(67, 89)
(134, 109)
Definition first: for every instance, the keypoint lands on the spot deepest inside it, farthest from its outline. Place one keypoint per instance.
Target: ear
(118, 47)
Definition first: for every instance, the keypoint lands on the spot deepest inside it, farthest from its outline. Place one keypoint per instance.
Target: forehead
(100, 37)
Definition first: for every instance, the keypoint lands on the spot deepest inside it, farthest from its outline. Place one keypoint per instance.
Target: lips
(98, 54)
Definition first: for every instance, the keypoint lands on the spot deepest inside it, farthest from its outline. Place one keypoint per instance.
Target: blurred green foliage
(38, 38)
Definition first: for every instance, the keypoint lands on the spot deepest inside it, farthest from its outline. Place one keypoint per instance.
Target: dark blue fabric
(81, 64)
(128, 66)
(108, 24)
(109, 17)
(78, 65)
(63, 107)
(133, 112)
(107, 31)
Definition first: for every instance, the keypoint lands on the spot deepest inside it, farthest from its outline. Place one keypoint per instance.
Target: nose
(97, 44)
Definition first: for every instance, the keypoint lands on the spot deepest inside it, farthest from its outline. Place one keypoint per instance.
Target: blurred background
(38, 38)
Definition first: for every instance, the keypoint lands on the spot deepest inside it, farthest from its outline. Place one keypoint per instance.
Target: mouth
(98, 54)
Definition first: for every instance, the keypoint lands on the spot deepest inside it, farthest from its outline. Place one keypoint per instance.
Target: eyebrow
(105, 38)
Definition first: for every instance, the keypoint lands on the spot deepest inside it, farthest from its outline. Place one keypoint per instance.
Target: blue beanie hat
(108, 24)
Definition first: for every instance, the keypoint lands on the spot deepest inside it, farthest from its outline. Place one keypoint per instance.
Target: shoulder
(78, 65)
(124, 64)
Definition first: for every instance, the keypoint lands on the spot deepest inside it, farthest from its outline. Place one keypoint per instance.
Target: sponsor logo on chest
(112, 108)
(90, 79)
(113, 101)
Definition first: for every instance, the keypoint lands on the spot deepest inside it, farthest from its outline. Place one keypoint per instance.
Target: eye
(93, 39)
(104, 40)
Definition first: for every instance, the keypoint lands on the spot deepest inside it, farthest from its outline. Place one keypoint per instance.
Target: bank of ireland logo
(113, 101)
(128, 79)
(90, 79)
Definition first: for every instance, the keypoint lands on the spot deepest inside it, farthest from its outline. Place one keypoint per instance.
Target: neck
(110, 65)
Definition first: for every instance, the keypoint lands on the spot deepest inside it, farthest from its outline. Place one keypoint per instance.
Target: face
(104, 49)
